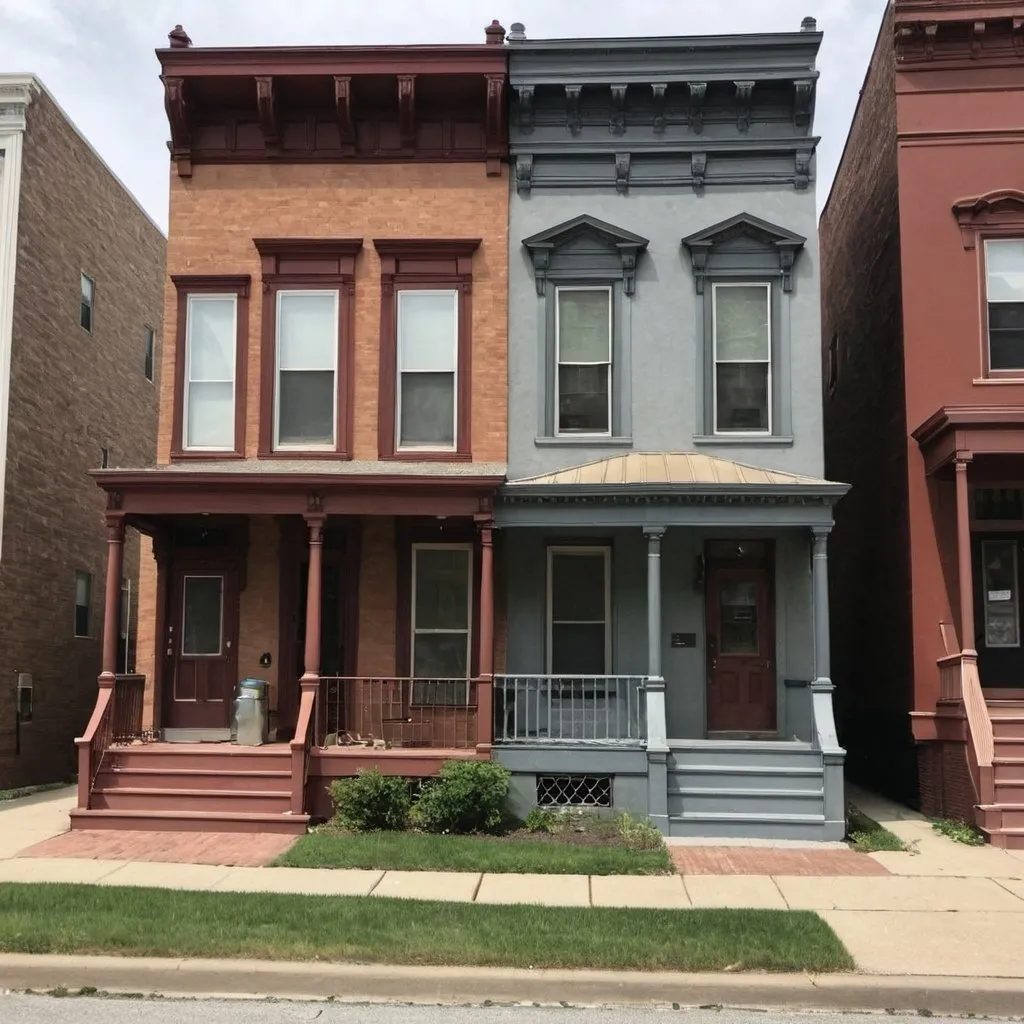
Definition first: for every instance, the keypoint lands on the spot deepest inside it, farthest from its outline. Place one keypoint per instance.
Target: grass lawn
(419, 851)
(867, 836)
(157, 922)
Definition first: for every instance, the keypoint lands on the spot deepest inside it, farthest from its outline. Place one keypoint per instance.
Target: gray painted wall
(682, 612)
(664, 372)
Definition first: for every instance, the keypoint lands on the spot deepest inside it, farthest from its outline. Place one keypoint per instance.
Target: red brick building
(922, 245)
(332, 434)
(81, 285)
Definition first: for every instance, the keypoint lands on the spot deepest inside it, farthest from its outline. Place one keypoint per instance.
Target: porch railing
(958, 678)
(129, 691)
(570, 709)
(397, 712)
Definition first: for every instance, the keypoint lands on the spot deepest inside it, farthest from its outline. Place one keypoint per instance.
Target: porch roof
(964, 431)
(648, 488)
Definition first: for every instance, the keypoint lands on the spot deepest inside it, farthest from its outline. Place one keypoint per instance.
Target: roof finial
(808, 25)
(517, 34)
(178, 38)
(494, 33)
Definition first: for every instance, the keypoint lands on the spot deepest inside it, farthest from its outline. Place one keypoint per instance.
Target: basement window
(574, 791)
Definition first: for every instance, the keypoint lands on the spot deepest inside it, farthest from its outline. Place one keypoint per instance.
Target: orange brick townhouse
(332, 435)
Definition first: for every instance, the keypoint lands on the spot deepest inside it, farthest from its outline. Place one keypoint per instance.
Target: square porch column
(485, 680)
(657, 729)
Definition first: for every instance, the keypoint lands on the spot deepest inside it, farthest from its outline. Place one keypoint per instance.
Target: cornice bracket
(622, 173)
(803, 97)
(1017, 29)
(407, 111)
(744, 99)
(977, 34)
(343, 112)
(494, 117)
(698, 170)
(931, 31)
(524, 174)
(698, 92)
(524, 95)
(176, 105)
(573, 123)
(617, 120)
(266, 105)
(802, 169)
(658, 90)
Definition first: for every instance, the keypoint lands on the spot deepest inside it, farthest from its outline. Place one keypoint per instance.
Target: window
(741, 327)
(126, 607)
(83, 603)
(583, 354)
(202, 616)
(579, 611)
(88, 294)
(306, 404)
(442, 613)
(1001, 594)
(104, 458)
(833, 364)
(150, 353)
(210, 338)
(1004, 265)
(428, 341)
(23, 708)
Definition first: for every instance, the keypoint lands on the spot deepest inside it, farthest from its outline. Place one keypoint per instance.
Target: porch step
(754, 826)
(743, 754)
(1008, 838)
(1009, 791)
(1000, 816)
(217, 757)
(697, 800)
(194, 778)
(1008, 769)
(123, 798)
(189, 821)
(1006, 726)
(1009, 747)
(804, 778)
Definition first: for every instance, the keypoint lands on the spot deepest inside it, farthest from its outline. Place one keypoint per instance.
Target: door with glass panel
(201, 649)
(997, 626)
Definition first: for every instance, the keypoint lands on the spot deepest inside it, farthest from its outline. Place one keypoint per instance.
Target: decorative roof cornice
(955, 32)
(16, 94)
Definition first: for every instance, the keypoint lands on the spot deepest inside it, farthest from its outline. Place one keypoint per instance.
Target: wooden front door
(201, 649)
(998, 562)
(740, 650)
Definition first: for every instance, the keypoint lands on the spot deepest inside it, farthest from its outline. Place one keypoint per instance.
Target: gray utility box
(249, 724)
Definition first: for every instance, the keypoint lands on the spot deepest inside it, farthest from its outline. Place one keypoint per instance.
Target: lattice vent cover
(574, 791)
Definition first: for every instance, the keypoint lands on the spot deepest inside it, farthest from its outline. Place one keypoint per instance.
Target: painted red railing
(93, 743)
(400, 712)
(301, 742)
(950, 672)
(959, 679)
(129, 692)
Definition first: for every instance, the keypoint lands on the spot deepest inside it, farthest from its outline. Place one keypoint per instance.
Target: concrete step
(189, 821)
(696, 800)
(242, 802)
(228, 780)
(807, 778)
(753, 826)
(742, 753)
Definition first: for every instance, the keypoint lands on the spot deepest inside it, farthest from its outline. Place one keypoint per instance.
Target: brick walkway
(242, 849)
(748, 860)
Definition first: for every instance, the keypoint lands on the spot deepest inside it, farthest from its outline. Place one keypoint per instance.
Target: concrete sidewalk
(943, 909)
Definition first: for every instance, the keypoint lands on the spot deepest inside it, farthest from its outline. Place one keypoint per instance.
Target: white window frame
(184, 608)
(414, 630)
(766, 285)
(610, 362)
(1016, 591)
(1004, 371)
(278, 446)
(399, 447)
(554, 551)
(201, 297)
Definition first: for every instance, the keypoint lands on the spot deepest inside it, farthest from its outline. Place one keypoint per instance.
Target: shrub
(371, 802)
(641, 834)
(539, 820)
(959, 831)
(467, 796)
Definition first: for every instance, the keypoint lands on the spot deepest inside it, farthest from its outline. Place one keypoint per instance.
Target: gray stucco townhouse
(665, 524)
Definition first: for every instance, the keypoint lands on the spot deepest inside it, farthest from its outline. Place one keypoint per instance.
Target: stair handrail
(93, 743)
(301, 742)
(981, 738)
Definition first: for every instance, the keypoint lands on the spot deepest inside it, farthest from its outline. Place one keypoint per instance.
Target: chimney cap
(178, 38)
(517, 34)
(494, 33)
(808, 24)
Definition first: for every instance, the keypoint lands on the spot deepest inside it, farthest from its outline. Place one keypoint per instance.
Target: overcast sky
(96, 56)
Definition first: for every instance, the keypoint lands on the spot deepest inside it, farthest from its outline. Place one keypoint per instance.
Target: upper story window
(428, 355)
(1004, 267)
(583, 347)
(83, 604)
(85, 316)
(307, 347)
(742, 342)
(149, 353)
(306, 378)
(585, 273)
(743, 276)
(426, 324)
(209, 397)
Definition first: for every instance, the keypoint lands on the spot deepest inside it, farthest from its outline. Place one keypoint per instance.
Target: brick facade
(72, 393)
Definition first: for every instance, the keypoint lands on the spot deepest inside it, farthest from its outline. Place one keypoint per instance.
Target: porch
(366, 608)
(668, 645)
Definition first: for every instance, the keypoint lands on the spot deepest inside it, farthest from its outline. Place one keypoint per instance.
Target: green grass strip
(43, 918)
(415, 851)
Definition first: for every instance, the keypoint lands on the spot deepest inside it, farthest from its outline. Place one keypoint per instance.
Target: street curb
(477, 985)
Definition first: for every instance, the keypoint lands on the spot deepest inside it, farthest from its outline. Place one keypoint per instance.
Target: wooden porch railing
(301, 742)
(959, 680)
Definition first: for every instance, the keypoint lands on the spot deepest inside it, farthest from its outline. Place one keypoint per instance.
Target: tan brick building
(81, 282)
(332, 432)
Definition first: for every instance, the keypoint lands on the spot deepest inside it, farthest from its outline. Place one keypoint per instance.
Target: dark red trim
(188, 284)
(407, 264)
(315, 263)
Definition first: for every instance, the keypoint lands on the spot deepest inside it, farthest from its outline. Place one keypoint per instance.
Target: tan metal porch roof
(670, 469)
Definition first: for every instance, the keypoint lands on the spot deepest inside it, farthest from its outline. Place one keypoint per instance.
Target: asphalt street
(45, 1009)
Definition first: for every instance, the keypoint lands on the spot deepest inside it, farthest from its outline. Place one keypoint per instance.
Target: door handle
(227, 644)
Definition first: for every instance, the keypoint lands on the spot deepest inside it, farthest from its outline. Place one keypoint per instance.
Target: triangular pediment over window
(740, 240)
(585, 247)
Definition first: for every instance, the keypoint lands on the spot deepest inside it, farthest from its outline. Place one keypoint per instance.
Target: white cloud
(96, 56)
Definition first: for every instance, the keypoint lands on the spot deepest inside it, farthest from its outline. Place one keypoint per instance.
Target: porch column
(485, 682)
(311, 658)
(657, 730)
(963, 552)
(819, 581)
(111, 605)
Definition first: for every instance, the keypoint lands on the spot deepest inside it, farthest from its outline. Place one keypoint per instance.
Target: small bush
(959, 831)
(467, 796)
(371, 802)
(539, 820)
(640, 835)
(865, 835)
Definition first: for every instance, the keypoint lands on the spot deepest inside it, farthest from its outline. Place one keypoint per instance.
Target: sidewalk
(943, 910)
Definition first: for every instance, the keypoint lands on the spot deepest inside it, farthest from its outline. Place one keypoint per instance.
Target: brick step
(245, 802)
(189, 821)
(227, 780)
(199, 757)
(1008, 769)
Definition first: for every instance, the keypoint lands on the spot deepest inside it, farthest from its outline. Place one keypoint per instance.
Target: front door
(201, 649)
(741, 695)
(997, 589)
